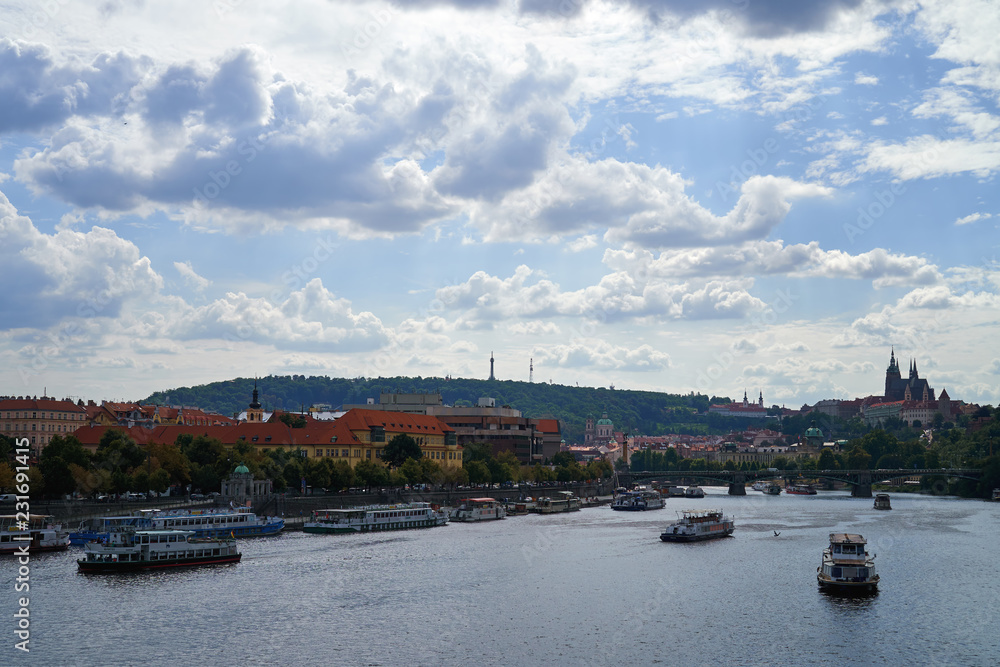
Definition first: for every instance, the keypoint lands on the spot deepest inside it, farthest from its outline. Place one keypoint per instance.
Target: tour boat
(638, 501)
(479, 509)
(130, 550)
(760, 485)
(239, 522)
(882, 501)
(37, 533)
(772, 489)
(800, 490)
(375, 518)
(676, 492)
(694, 492)
(565, 501)
(846, 565)
(696, 525)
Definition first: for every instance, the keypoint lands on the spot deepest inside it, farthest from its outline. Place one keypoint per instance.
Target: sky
(716, 196)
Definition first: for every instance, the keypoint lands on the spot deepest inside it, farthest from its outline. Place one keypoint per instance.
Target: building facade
(39, 419)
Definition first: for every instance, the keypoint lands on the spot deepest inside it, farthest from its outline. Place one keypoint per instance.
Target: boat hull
(670, 537)
(89, 567)
(321, 529)
(829, 584)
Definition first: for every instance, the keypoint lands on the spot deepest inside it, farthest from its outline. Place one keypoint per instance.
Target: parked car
(197, 496)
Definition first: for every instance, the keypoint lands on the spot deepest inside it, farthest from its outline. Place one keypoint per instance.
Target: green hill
(637, 412)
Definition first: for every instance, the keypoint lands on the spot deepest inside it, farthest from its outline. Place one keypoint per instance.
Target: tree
(369, 474)
(858, 458)
(827, 461)
(399, 449)
(292, 421)
(479, 473)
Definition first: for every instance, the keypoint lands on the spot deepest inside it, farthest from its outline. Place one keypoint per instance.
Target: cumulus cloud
(191, 276)
(863, 79)
(311, 318)
(50, 277)
(618, 295)
(884, 269)
(602, 355)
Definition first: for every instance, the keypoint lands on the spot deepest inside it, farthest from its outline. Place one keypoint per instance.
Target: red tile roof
(50, 404)
(360, 419)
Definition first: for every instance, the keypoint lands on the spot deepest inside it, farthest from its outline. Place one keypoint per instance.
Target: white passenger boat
(694, 492)
(697, 525)
(564, 501)
(772, 489)
(479, 509)
(676, 492)
(238, 522)
(37, 533)
(638, 501)
(846, 565)
(375, 518)
(130, 550)
(760, 485)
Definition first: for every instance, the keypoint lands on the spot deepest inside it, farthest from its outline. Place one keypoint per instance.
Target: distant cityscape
(357, 432)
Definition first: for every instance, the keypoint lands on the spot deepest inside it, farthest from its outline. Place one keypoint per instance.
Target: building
(39, 419)
(241, 489)
(744, 409)
(913, 388)
(503, 427)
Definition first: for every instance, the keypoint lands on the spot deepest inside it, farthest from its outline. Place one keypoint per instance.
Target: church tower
(255, 414)
(891, 374)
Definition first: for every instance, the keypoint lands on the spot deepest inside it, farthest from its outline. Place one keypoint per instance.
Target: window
(345, 453)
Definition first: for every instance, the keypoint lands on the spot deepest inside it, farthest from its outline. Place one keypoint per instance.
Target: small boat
(694, 492)
(676, 492)
(800, 490)
(564, 501)
(882, 501)
(479, 509)
(375, 518)
(772, 489)
(846, 565)
(36, 534)
(638, 501)
(697, 525)
(130, 550)
(760, 485)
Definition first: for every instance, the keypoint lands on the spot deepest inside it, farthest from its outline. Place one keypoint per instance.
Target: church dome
(604, 422)
(814, 432)
(241, 470)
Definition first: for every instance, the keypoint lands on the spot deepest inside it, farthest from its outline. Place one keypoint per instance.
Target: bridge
(860, 481)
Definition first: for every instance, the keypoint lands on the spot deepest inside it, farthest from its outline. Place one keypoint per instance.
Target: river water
(594, 587)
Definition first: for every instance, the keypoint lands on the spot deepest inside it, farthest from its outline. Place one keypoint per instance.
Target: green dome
(604, 422)
(241, 470)
(814, 432)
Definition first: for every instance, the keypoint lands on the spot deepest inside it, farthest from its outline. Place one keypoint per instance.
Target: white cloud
(862, 79)
(51, 277)
(191, 276)
(881, 120)
(602, 355)
(973, 217)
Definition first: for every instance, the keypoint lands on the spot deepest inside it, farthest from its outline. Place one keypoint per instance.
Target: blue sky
(655, 194)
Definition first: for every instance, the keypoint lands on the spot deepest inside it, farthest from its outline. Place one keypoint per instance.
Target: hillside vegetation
(638, 412)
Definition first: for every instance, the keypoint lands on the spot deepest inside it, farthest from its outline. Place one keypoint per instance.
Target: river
(594, 587)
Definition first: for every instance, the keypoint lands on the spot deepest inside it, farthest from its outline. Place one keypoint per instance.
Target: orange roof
(547, 425)
(39, 404)
(360, 419)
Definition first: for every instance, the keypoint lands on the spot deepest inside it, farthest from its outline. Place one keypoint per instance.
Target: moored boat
(800, 490)
(564, 501)
(479, 509)
(130, 550)
(239, 522)
(760, 485)
(676, 492)
(697, 525)
(638, 501)
(882, 501)
(694, 492)
(996, 494)
(375, 518)
(772, 489)
(36, 534)
(846, 565)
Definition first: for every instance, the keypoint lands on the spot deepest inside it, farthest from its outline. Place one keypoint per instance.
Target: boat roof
(847, 538)
(483, 500)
